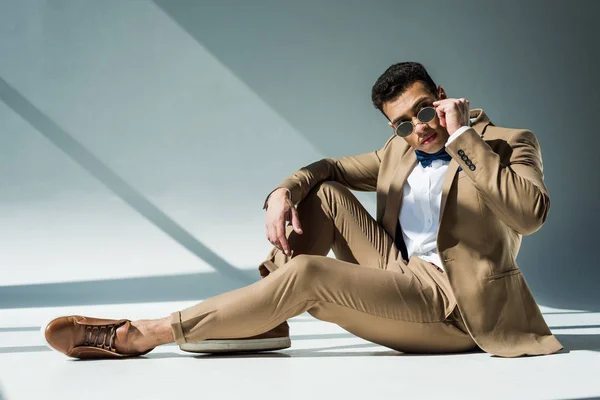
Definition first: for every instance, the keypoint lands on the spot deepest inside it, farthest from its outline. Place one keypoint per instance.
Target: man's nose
(419, 126)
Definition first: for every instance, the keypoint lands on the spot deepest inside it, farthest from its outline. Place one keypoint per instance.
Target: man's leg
(400, 307)
(331, 218)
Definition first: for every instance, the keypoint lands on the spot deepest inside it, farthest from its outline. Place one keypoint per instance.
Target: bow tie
(426, 158)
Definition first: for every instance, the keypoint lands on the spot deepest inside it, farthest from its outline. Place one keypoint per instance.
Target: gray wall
(138, 139)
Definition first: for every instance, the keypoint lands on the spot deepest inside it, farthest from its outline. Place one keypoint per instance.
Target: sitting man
(435, 272)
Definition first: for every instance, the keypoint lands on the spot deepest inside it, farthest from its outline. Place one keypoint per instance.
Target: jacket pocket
(512, 271)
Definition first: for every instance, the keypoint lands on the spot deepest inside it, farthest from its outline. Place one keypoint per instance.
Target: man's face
(429, 137)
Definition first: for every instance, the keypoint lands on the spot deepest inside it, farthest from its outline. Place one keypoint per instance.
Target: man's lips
(432, 137)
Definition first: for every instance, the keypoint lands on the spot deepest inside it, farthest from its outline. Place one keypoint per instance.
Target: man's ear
(441, 93)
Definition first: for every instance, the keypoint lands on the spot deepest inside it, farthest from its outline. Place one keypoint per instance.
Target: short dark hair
(396, 79)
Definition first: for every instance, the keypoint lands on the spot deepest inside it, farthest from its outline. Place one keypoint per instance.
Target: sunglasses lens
(404, 129)
(426, 114)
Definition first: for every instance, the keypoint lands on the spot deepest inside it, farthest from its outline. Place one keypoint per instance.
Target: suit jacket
(497, 197)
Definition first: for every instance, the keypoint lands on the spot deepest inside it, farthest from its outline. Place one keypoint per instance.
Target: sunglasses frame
(413, 125)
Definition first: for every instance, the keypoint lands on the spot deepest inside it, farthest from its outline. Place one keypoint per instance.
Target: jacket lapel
(394, 199)
(448, 180)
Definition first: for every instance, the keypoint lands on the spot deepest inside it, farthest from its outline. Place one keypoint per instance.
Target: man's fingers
(459, 107)
(441, 115)
(281, 237)
(284, 245)
(296, 221)
(271, 235)
(463, 108)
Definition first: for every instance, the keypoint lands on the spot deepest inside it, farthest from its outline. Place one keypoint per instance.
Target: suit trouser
(368, 289)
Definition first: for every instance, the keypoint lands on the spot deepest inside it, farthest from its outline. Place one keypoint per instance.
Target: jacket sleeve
(357, 172)
(515, 192)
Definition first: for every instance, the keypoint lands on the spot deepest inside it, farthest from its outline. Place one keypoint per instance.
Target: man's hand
(452, 113)
(279, 210)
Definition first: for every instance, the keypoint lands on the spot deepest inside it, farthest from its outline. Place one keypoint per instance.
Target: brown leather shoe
(85, 337)
(276, 339)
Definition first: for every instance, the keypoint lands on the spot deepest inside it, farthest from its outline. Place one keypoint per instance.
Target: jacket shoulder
(508, 134)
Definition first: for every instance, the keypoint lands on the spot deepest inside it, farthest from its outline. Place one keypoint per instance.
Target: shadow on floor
(24, 349)
(579, 342)
(378, 351)
(34, 349)
(571, 342)
(20, 329)
(120, 291)
(575, 327)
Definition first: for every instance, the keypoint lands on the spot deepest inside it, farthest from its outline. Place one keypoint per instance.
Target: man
(435, 272)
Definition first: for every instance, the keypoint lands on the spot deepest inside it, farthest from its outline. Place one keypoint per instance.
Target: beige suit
(369, 288)
(498, 196)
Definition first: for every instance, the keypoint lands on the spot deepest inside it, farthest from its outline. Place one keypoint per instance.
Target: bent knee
(306, 267)
(331, 187)
(329, 190)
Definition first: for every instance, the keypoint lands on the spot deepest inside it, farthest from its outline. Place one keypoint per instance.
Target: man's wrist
(456, 134)
(280, 192)
(285, 191)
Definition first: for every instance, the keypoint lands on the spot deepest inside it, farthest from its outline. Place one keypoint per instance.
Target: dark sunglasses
(425, 115)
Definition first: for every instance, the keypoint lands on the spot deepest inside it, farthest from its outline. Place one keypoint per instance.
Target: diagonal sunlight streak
(315, 146)
(84, 158)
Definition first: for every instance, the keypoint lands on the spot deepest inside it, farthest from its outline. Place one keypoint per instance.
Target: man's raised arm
(357, 172)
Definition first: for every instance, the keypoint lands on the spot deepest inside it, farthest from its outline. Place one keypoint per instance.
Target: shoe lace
(108, 331)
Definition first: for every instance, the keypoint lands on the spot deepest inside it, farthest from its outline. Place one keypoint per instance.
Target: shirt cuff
(456, 134)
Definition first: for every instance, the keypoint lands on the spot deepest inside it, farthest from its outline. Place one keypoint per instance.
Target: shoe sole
(234, 346)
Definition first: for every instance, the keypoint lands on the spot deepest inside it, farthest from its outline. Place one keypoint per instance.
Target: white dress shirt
(420, 212)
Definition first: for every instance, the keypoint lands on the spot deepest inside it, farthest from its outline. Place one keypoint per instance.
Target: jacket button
(461, 152)
(472, 167)
(464, 158)
(468, 162)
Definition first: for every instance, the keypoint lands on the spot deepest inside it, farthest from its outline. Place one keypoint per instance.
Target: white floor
(323, 362)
